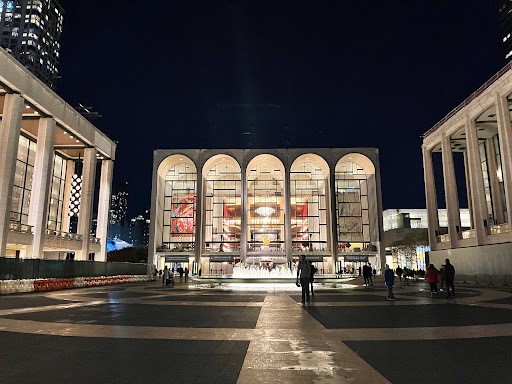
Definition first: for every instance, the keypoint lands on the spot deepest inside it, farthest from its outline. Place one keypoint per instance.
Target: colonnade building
(212, 209)
(49, 155)
(477, 135)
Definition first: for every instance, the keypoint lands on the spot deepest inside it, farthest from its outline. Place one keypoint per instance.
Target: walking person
(406, 273)
(370, 271)
(449, 277)
(312, 276)
(374, 273)
(432, 279)
(365, 275)
(180, 271)
(186, 274)
(399, 272)
(303, 273)
(389, 278)
(164, 275)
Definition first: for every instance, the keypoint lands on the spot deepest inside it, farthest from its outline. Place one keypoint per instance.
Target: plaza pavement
(192, 333)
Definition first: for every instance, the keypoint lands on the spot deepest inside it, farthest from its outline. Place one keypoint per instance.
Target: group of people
(168, 275)
(446, 275)
(367, 274)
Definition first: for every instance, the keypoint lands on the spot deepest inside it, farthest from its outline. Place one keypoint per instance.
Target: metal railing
(443, 238)
(469, 234)
(498, 229)
(18, 227)
(62, 234)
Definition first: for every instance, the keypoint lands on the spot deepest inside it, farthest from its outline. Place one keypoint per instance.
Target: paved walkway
(256, 334)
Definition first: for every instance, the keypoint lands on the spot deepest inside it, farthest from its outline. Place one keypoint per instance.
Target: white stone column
(156, 215)
(66, 219)
(334, 219)
(431, 198)
(476, 181)
(10, 127)
(107, 171)
(43, 168)
(450, 191)
(505, 136)
(468, 190)
(200, 197)
(492, 167)
(243, 216)
(86, 203)
(288, 215)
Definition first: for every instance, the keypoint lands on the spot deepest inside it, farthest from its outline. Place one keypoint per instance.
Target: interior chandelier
(265, 211)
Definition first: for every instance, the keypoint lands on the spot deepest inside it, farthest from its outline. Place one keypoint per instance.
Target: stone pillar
(476, 181)
(156, 215)
(492, 167)
(334, 219)
(43, 167)
(200, 197)
(288, 215)
(66, 219)
(107, 171)
(243, 216)
(468, 190)
(328, 218)
(86, 203)
(431, 198)
(450, 191)
(505, 135)
(10, 127)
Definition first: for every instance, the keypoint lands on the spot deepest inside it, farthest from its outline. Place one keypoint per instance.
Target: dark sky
(196, 74)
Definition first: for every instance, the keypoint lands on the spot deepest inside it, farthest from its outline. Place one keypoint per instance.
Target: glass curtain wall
(353, 224)
(223, 208)
(265, 208)
(308, 207)
(23, 180)
(180, 207)
(57, 193)
(499, 175)
(487, 183)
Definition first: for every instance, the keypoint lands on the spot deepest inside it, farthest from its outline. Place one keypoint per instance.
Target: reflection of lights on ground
(286, 286)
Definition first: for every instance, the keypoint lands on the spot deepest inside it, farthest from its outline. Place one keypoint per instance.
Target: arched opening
(265, 204)
(223, 204)
(353, 174)
(179, 213)
(309, 184)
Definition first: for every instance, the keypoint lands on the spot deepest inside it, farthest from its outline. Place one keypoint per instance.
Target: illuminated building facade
(212, 209)
(473, 145)
(31, 32)
(49, 155)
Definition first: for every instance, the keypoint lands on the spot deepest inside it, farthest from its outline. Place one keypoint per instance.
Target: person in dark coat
(312, 276)
(370, 271)
(180, 271)
(449, 277)
(399, 272)
(304, 273)
(186, 274)
(389, 278)
(165, 275)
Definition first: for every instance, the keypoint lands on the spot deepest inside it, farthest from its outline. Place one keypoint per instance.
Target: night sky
(198, 74)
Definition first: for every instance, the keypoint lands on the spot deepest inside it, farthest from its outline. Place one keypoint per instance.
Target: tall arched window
(223, 204)
(308, 184)
(352, 209)
(265, 204)
(180, 206)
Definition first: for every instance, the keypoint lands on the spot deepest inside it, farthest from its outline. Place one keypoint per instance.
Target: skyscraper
(31, 32)
(505, 14)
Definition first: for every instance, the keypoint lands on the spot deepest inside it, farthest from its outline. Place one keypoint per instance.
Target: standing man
(365, 275)
(449, 277)
(180, 271)
(369, 271)
(389, 277)
(186, 274)
(164, 276)
(303, 273)
(399, 272)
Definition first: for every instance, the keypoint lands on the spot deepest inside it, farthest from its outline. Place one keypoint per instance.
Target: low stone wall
(40, 285)
(486, 265)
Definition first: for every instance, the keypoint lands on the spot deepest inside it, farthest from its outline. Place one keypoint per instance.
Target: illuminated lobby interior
(219, 211)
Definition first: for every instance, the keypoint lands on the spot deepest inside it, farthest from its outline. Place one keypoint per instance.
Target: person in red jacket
(432, 279)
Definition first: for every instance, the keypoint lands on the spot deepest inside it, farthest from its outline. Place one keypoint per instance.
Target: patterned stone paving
(145, 333)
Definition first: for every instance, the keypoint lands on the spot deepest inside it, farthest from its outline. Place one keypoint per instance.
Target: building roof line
(469, 99)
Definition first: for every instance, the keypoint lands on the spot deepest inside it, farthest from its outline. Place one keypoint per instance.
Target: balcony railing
(443, 238)
(498, 229)
(62, 234)
(94, 240)
(469, 234)
(18, 227)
